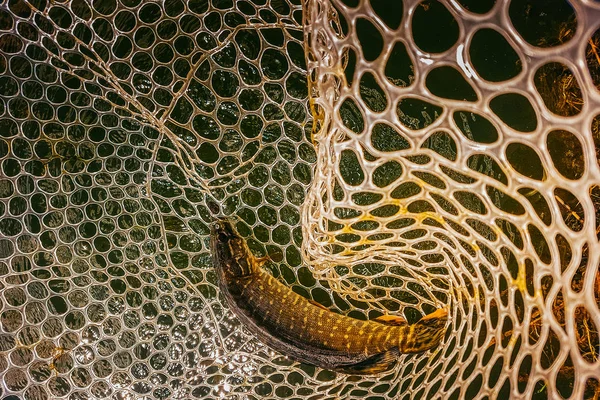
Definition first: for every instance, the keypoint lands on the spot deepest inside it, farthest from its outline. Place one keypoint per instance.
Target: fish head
(229, 251)
(222, 230)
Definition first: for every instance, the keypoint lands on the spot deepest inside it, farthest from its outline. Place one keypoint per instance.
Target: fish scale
(304, 331)
(295, 316)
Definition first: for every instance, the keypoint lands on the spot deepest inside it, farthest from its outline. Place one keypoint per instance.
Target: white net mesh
(463, 164)
(452, 162)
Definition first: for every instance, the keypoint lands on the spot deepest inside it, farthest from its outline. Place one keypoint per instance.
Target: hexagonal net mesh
(389, 157)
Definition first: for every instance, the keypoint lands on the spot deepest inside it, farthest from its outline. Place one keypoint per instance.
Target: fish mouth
(222, 227)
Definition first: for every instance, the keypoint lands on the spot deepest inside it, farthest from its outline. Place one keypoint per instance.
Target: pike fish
(304, 330)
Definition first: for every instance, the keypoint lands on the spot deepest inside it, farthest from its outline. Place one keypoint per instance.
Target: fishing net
(389, 157)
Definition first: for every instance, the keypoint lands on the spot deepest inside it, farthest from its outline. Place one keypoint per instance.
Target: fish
(307, 331)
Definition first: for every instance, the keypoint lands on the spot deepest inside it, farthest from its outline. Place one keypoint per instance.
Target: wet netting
(390, 157)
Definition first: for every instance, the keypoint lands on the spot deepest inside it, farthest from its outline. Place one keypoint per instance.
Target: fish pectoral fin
(314, 303)
(376, 364)
(393, 320)
(260, 261)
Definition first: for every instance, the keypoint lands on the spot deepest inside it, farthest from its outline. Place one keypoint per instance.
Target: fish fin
(440, 313)
(376, 364)
(260, 261)
(426, 333)
(392, 320)
(314, 303)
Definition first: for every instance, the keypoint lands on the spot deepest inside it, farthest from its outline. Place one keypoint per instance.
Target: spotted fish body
(292, 325)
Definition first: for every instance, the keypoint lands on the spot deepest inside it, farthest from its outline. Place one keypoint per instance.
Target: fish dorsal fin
(392, 320)
(376, 364)
(314, 303)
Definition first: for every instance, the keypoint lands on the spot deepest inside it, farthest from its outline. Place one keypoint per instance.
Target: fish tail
(427, 333)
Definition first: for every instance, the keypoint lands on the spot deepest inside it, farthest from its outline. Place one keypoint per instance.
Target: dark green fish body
(292, 325)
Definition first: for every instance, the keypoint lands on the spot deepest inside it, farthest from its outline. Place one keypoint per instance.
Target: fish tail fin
(426, 334)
